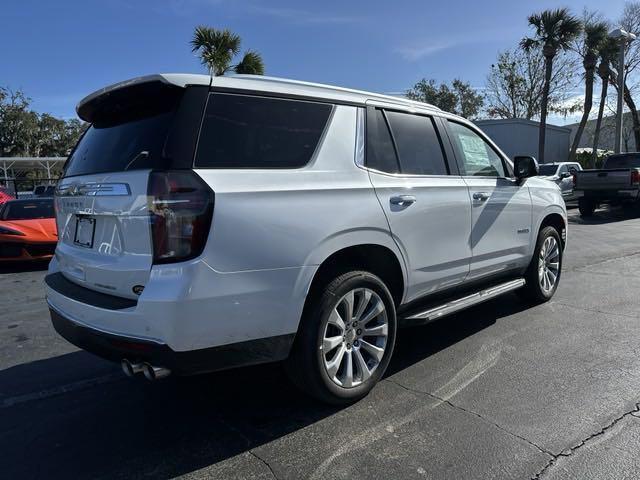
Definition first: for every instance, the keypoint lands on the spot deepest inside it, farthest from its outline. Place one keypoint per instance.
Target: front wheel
(345, 340)
(543, 274)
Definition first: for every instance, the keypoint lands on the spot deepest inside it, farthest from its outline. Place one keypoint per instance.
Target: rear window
(418, 145)
(242, 131)
(129, 135)
(622, 161)
(548, 169)
(27, 209)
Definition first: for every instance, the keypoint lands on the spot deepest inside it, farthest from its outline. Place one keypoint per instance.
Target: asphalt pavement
(503, 390)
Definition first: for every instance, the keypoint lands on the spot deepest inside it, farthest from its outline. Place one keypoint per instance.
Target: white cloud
(418, 52)
(302, 16)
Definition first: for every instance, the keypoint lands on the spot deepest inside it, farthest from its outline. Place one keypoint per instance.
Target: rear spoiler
(123, 95)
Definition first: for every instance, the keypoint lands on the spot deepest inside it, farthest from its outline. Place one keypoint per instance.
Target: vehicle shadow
(81, 424)
(604, 216)
(19, 267)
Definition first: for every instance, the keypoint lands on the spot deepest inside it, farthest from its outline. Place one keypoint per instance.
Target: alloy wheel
(549, 264)
(355, 337)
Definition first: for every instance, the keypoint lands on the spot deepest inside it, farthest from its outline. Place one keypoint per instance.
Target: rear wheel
(586, 206)
(543, 274)
(345, 340)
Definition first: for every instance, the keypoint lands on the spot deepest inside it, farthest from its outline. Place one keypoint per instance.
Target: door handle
(403, 200)
(481, 196)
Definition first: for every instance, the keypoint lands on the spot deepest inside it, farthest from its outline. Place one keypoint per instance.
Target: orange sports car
(27, 229)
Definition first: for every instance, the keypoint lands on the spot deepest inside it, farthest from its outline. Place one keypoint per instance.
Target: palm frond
(556, 28)
(251, 64)
(216, 48)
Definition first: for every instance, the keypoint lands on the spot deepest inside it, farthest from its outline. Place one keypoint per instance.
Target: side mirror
(525, 167)
(566, 175)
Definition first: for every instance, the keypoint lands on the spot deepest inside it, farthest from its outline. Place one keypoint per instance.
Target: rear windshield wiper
(141, 155)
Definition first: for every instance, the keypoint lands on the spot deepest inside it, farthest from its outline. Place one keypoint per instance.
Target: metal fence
(27, 188)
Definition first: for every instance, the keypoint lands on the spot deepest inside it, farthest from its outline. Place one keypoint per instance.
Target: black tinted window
(622, 161)
(418, 145)
(241, 131)
(125, 139)
(28, 209)
(381, 155)
(128, 146)
(547, 170)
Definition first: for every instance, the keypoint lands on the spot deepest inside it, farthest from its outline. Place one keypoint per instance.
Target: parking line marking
(60, 390)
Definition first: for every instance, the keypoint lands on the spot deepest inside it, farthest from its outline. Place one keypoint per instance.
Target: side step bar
(468, 301)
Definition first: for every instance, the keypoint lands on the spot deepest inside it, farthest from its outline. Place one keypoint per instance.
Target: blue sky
(59, 51)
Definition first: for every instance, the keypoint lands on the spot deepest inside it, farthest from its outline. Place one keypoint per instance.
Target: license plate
(85, 228)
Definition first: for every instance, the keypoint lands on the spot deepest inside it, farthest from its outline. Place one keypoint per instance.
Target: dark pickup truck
(618, 183)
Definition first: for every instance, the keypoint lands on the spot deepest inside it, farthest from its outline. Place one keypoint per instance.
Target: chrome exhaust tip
(154, 373)
(130, 369)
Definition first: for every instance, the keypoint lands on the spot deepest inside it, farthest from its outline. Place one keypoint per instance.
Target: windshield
(27, 209)
(548, 170)
(622, 161)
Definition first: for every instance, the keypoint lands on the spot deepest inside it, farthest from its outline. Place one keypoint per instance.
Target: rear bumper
(629, 195)
(189, 318)
(116, 347)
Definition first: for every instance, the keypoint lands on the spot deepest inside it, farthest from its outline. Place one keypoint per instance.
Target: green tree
(554, 31)
(459, 98)
(24, 132)
(18, 124)
(593, 39)
(217, 49)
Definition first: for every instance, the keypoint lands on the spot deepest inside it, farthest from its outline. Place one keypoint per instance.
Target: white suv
(207, 223)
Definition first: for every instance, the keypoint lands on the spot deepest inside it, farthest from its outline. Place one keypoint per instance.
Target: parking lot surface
(503, 390)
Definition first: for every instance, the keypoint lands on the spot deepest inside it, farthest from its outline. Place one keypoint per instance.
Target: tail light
(180, 210)
(575, 179)
(635, 177)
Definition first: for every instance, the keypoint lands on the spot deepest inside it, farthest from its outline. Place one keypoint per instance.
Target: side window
(476, 156)
(380, 152)
(242, 131)
(563, 169)
(419, 148)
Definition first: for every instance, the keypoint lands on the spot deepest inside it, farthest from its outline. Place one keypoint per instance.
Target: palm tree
(595, 35)
(217, 48)
(554, 32)
(608, 53)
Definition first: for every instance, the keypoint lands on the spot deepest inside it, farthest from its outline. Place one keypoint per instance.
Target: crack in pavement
(471, 412)
(599, 262)
(249, 443)
(582, 443)
(593, 310)
(251, 452)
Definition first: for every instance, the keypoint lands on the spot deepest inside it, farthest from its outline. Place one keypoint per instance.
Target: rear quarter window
(243, 131)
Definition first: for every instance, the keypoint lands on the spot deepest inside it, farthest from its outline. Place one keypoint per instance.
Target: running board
(468, 301)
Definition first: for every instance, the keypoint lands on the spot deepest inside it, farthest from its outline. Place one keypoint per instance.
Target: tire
(586, 207)
(312, 363)
(535, 289)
